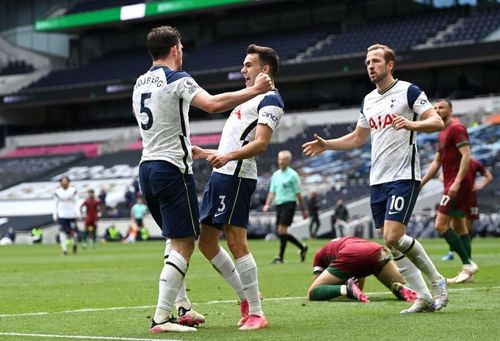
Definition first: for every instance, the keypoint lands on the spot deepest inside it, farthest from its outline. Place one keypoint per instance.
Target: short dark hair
(447, 101)
(267, 56)
(389, 54)
(160, 40)
(64, 177)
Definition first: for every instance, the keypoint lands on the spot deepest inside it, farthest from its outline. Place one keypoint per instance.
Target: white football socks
(182, 299)
(171, 278)
(415, 252)
(62, 241)
(225, 266)
(247, 269)
(412, 275)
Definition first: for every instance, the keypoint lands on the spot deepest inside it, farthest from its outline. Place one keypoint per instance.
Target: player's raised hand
(198, 153)
(263, 83)
(315, 147)
(217, 160)
(400, 122)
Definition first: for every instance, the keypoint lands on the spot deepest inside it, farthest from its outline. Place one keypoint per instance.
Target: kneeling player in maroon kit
(342, 262)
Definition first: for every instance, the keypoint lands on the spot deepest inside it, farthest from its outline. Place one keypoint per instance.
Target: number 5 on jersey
(147, 111)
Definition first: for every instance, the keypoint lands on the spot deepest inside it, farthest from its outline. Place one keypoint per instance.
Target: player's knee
(205, 246)
(391, 240)
(441, 227)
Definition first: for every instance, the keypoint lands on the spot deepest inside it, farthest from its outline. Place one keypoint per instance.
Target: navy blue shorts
(67, 225)
(226, 201)
(393, 201)
(171, 198)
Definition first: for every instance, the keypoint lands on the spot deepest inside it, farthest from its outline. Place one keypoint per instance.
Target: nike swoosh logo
(391, 213)
(218, 214)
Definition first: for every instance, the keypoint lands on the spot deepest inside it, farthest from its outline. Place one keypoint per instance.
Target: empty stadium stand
(88, 149)
(16, 170)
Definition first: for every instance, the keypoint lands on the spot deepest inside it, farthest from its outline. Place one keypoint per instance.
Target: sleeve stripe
(412, 94)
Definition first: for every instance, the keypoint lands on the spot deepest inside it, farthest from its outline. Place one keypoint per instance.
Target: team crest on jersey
(381, 122)
(237, 112)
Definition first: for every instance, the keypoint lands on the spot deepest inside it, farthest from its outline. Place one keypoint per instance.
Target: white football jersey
(240, 129)
(66, 203)
(394, 154)
(161, 102)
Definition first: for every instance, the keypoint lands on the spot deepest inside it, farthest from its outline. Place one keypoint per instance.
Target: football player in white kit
(66, 211)
(392, 114)
(161, 101)
(226, 200)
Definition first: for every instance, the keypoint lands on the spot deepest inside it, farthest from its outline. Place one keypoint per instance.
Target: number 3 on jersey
(147, 111)
(222, 206)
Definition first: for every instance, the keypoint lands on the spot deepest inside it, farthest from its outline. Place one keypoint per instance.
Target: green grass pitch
(109, 293)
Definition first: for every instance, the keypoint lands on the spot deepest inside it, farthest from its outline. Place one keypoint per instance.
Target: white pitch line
(87, 310)
(85, 337)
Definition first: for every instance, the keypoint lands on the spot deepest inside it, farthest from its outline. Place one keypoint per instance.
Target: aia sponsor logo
(380, 122)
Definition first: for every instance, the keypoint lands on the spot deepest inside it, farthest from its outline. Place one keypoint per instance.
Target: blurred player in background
(392, 114)
(313, 208)
(472, 212)
(342, 262)
(476, 168)
(226, 200)
(93, 209)
(66, 211)
(454, 155)
(286, 191)
(161, 101)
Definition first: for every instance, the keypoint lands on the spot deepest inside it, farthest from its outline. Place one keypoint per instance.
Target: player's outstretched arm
(353, 140)
(229, 100)
(201, 153)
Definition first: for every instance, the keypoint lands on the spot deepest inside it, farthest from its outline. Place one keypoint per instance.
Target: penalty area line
(82, 337)
(90, 310)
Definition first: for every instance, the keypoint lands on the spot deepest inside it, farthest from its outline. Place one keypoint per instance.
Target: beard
(378, 78)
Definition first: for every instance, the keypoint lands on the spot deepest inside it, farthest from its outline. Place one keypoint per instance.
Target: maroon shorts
(457, 206)
(360, 259)
(90, 225)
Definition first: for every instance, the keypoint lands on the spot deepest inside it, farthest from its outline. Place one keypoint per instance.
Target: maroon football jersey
(92, 206)
(354, 256)
(449, 142)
